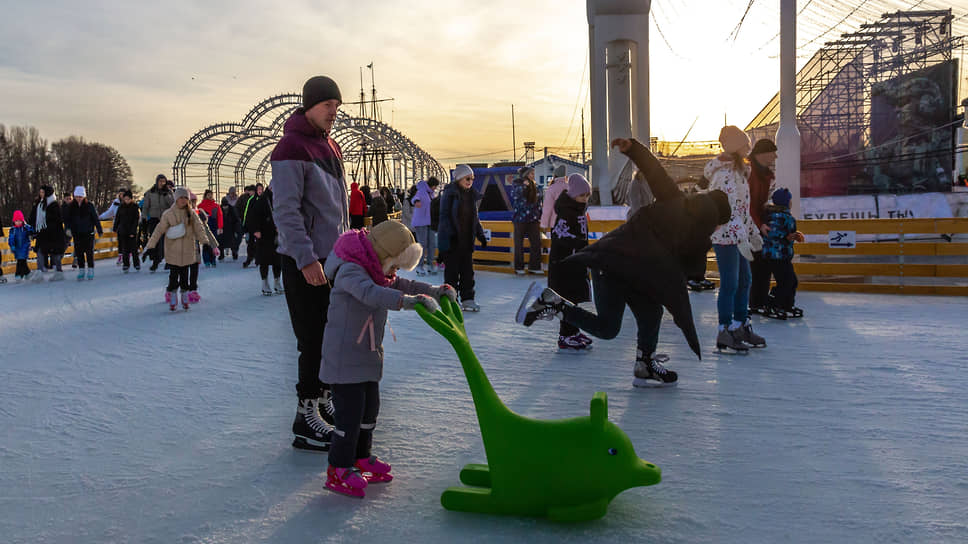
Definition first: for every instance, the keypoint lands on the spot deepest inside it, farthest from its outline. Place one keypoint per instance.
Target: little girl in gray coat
(362, 269)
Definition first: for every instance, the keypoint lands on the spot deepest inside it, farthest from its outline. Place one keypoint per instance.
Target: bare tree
(26, 164)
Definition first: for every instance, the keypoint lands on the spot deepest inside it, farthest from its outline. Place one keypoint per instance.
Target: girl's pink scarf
(354, 247)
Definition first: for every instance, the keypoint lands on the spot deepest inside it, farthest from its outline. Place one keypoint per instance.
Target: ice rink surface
(121, 422)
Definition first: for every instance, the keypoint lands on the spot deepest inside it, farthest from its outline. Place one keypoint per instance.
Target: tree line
(27, 163)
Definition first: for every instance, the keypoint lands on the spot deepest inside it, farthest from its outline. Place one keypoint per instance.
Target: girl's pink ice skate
(374, 471)
(194, 297)
(346, 481)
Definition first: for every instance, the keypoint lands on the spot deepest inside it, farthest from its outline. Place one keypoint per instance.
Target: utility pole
(788, 135)
(514, 145)
(583, 136)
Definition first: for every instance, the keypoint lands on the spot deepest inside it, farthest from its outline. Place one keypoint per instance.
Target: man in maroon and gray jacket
(310, 212)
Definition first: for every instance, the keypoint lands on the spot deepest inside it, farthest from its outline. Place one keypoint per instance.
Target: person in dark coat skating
(460, 225)
(569, 234)
(261, 226)
(51, 239)
(127, 218)
(231, 237)
(643, 265)
(81, 221)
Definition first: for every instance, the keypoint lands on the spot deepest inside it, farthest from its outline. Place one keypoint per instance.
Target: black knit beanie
(320, 89)
(763, 145)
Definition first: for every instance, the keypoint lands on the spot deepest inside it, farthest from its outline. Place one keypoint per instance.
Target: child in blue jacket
(778, 251)
(19, 242)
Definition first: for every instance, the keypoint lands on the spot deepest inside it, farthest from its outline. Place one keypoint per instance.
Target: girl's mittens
(445, 290)
(409, 302)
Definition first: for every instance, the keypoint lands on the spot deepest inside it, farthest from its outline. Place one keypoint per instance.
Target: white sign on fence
(842, 239)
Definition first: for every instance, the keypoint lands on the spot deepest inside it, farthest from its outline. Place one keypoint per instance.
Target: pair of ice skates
(313, 430)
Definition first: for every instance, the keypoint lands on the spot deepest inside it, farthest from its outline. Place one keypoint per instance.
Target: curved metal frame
(263, 108)
(263, 126)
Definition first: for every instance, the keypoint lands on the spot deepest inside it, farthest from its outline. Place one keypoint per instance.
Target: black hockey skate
(775, 313)
(311, 432)
(327, 410)
(540, 303)
(649, 371)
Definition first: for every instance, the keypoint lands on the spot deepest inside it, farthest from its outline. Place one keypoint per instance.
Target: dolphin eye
(612, 451)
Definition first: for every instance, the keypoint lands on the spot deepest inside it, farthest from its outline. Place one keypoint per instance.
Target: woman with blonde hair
(734, 242)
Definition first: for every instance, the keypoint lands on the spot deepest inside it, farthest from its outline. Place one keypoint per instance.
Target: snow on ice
(122, 422)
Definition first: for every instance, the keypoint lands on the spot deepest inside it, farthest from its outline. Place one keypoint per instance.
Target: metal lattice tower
(236, 154)
(836, 87)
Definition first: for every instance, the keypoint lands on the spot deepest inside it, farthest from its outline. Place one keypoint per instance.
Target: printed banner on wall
(924, 205)
(920, 206)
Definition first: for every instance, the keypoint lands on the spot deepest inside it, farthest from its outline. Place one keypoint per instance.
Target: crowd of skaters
(340, 279)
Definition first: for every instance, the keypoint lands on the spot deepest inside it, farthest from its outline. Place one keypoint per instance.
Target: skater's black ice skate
(649, 371)
(326, 408)
(311, 432)
(775, 313)
(540, 303)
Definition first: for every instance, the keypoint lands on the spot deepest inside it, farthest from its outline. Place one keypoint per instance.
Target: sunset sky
(144, 76)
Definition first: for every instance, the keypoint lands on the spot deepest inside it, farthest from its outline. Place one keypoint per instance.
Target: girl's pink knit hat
(18, 216)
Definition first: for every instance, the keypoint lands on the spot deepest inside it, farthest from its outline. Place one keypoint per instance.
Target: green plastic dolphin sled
(565, 470)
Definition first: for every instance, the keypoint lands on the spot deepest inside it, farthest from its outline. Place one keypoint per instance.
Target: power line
(474, 155)
(672, 50)
(739, 25)
(581, 90)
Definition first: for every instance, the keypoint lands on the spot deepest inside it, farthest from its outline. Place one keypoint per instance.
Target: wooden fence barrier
(900, 265)
(499, 255)
(105, 247)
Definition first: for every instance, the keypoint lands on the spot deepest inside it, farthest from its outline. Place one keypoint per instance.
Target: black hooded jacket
(52, 239)
(81, 218)
(231, 221)
(127, 218)
(569, 234)
(661, 244)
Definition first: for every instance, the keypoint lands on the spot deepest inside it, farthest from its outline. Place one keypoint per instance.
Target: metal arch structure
(267, 106)
(210, 133)
(368, 143)
(373, 152)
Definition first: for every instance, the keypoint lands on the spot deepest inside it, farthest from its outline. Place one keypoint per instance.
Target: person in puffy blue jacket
(19, 242)
(781, 233)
